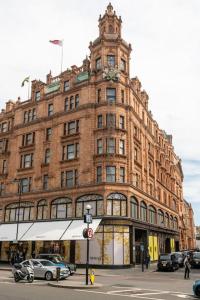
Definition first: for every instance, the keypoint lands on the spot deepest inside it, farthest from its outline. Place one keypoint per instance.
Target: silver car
(45, 269)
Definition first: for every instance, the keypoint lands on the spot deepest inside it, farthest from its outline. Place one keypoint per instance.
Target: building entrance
(140, 238)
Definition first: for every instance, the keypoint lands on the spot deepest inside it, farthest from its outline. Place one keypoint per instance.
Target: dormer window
(66, 85)
(37, 96)
(98, 63)
(111, 61)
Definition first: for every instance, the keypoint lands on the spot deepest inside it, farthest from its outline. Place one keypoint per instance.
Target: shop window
(96, 202)
(61, 208)
(152, 215)
(143, 211)
(134, 208)
(116, 205)
(42, 210)
(24, 212)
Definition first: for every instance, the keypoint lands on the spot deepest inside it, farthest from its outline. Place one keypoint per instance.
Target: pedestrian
(147, 260)
(187, 267)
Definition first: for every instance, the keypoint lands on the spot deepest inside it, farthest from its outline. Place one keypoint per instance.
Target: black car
(195, 259)
(57, 259)
(167, 262)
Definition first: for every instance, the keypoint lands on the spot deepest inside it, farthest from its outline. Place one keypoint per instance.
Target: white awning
(46, 231)
(75, 230)
(8, 231)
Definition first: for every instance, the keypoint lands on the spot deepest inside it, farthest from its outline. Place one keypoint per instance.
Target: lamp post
(19, 202)
(88, 220)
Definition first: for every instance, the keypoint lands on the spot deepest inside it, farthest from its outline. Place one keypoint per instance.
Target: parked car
(167, 262)
(195, 259)
(46, 269)
(179, 256)
(57, 259)
(196, 288)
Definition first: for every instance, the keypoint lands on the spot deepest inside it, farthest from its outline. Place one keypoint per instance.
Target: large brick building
(87, 136)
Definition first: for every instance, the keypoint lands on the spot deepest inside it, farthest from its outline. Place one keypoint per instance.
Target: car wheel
(48, 276)
(197, 291)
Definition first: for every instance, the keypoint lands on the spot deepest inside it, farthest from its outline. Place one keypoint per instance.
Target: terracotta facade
(89, 133)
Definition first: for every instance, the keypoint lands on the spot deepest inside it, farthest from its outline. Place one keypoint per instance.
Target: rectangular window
(122, 174)
(98, 63)
(37, 96)
(121, 147)
(25, 116)
(66, 104)
(47, 156)
(2, 189)
(4, 127)
(66, 85)
(3, 145)
(71, 151)
(122, 96)
(99, 146)
(45, 182)
(98, 95)
(76, 100)
(4, 167)
(50, 109)
(99, 121)
(121, 122)
(110, 174)
(72, 127)
(111, 60)
(99, 174)
(34, 114)
(111, 145)
(123, 65)
(27, 161)
(25, 185)
(28, 139)
(110, 120)
(71, 103)
(111, 95)
(69, 179)
(48, 134)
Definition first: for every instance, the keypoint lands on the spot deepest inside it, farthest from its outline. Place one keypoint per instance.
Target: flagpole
(62, 56)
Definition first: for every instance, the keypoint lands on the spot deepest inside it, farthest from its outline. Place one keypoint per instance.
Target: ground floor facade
(117, 242)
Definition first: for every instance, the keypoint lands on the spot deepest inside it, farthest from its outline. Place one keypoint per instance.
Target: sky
(165, 37)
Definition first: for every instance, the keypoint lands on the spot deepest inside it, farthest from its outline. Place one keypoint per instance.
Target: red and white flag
(57, 42)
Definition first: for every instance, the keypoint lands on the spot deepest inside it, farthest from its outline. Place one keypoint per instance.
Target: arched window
(22, 212)
(116, 205)
(166, 220)
(96, 202)
(134, 208)
(42, 210)
(143, 211)
(161, 220)
(152, 215)
(175, 223)
(61, 208)
(171, 222)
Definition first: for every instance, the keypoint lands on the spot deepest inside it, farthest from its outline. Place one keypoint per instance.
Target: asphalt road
(117, 284)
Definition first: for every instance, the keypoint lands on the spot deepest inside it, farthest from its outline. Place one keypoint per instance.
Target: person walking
(187, 267)
(147, 260)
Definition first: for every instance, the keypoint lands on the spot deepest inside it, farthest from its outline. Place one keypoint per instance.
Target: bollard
(92, 277)
(58, 273)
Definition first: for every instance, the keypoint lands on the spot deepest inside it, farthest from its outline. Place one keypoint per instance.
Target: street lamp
(88, 220)
(19, 202)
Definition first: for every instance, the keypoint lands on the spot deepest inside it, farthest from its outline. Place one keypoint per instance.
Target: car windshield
(164, 257)
(196, 255)
(46, 263)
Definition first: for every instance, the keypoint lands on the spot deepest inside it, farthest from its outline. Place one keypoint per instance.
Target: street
(130, 283)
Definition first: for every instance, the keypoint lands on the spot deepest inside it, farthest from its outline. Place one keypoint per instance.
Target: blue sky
(166, 45)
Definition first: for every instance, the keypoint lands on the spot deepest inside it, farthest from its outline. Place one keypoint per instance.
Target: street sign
(88, 218)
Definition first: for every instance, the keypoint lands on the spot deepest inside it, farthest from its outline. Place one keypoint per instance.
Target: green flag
(25, 80)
